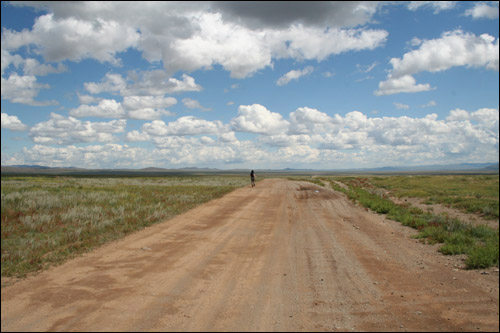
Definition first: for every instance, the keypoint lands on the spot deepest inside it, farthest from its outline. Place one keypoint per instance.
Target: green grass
(479, 243)
(46, 220)
(471, 194)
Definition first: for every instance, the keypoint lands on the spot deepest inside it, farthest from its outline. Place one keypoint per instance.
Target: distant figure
(252, 178)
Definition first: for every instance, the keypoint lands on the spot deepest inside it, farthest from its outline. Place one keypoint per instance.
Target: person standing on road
(252, 178)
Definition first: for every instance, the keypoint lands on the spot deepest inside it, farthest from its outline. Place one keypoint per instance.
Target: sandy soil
(283, 256)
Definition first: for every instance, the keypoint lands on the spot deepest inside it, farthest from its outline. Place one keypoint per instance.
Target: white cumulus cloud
(68, 130)
(58, 39)
(306, 120)
(183, 126)
(438, 6)
(454, 48)
(148, 107)
(109, 155)
(13, 123)
(23, 89)
(107, 108)
(294, 75)
(257, 119)
(145, 83)
(483, 10)
(240, 37)
(194, 104)
(403, 84)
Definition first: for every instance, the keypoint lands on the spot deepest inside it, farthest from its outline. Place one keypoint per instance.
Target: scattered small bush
(480, 243)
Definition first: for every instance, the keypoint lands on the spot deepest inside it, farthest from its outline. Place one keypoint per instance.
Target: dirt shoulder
(283, 256)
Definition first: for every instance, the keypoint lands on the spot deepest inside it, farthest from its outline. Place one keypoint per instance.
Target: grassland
(470, 194)
(473, 194)
(46, 220)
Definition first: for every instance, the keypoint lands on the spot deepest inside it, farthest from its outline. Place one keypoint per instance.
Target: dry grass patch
(46, 220)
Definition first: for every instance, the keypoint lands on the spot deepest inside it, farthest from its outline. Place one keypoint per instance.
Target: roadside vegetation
(474, 194)
(470, 194)
(46, 220)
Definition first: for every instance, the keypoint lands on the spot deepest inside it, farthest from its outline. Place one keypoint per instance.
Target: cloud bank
(308, 137)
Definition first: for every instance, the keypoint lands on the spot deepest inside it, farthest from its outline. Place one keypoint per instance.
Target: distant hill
(45, 170)
(439, 167)
(29, 166)
(152, 169)
(415, 168)
(37, 169)
(493, 167)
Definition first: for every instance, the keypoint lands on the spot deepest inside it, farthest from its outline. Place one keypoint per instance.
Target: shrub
(434, 234)
(457, 243)
(480, 243)
(483, 256)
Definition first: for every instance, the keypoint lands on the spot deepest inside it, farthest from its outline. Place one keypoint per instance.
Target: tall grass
(480, 243)
(46, 220)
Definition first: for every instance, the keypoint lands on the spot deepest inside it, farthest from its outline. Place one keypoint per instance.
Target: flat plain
(287, 255)
(48, 219)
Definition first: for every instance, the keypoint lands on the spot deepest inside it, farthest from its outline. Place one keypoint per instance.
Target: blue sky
(321, 85)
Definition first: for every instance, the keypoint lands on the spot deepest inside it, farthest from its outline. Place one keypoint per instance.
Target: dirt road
(283, 256)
